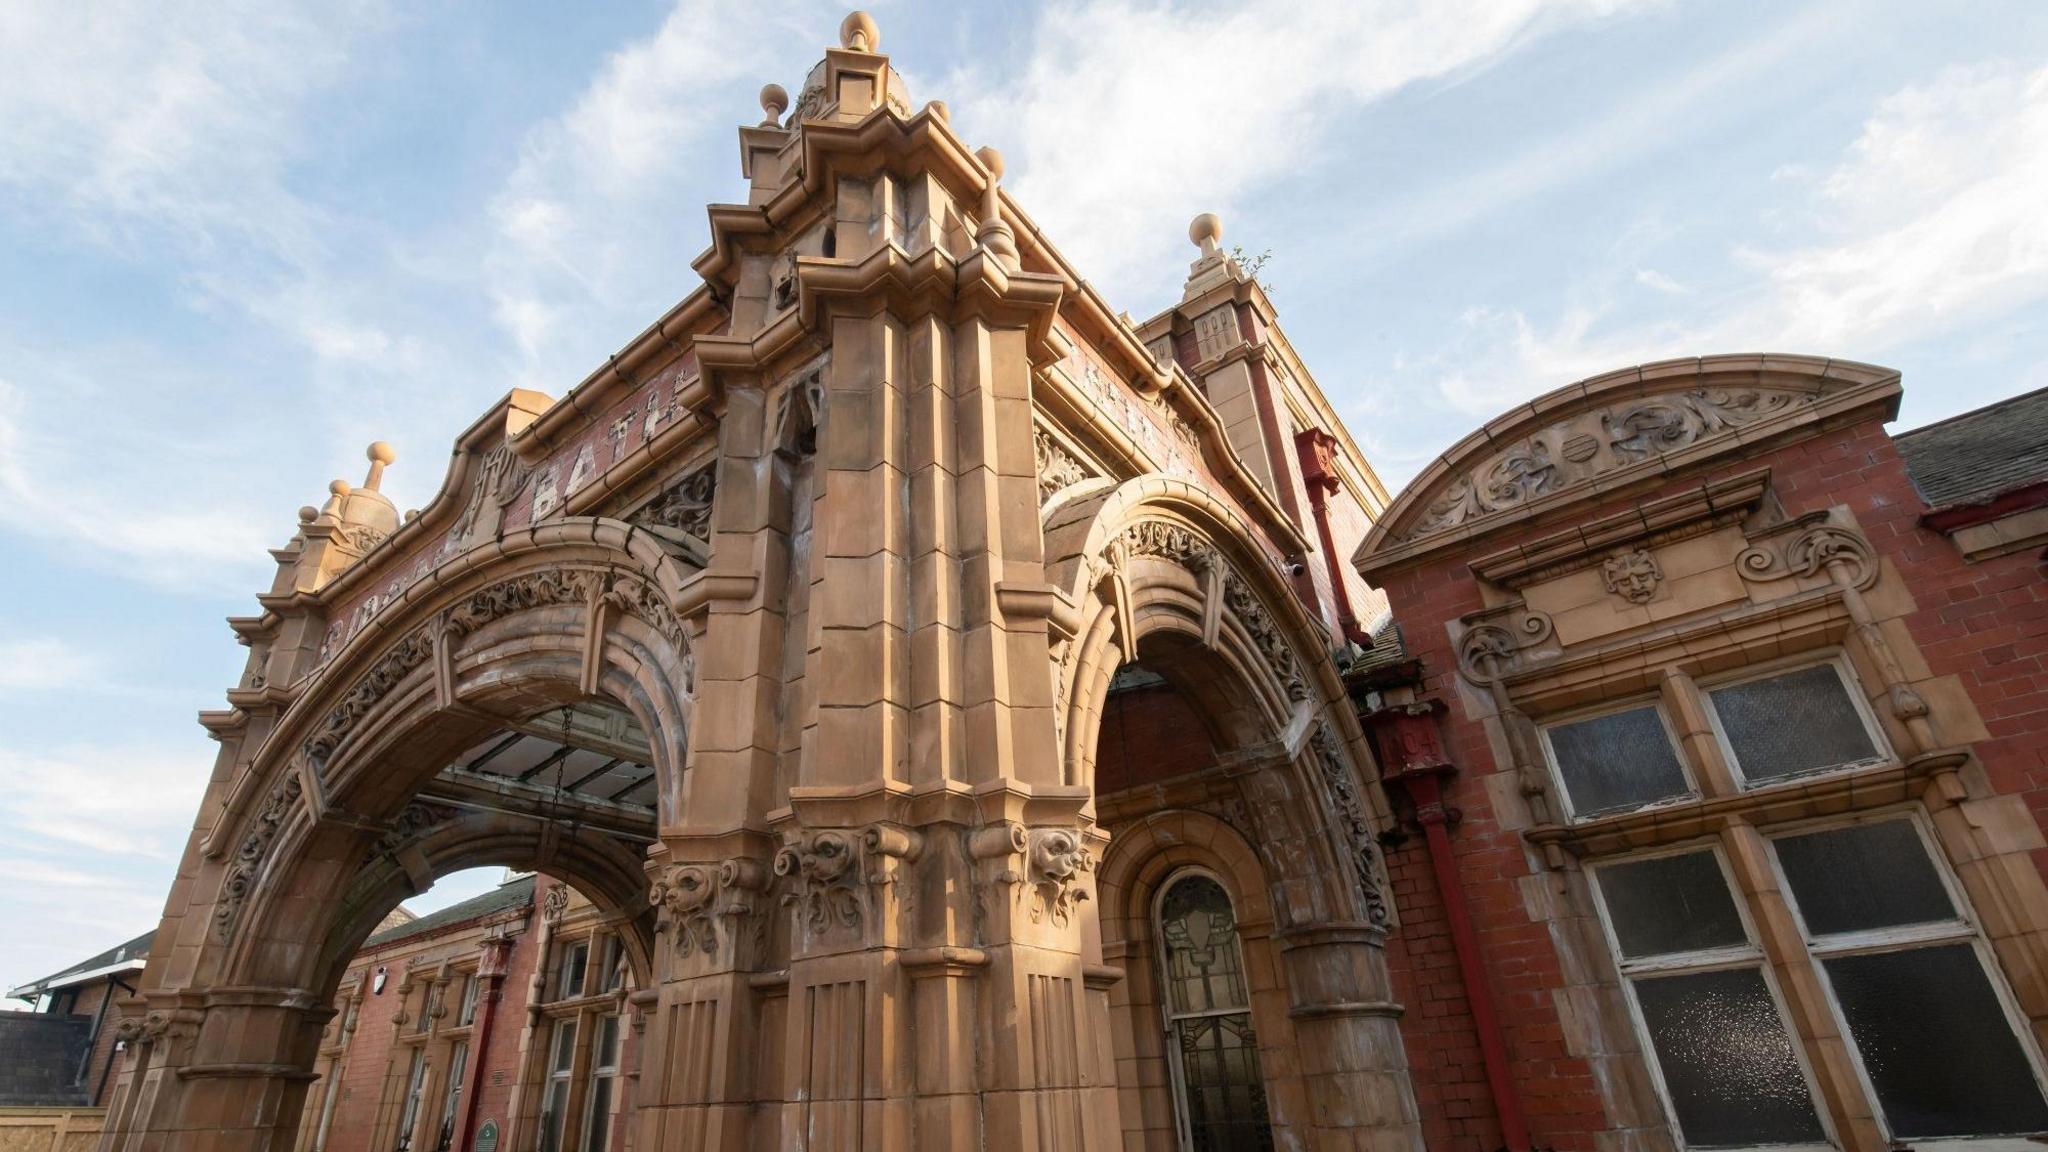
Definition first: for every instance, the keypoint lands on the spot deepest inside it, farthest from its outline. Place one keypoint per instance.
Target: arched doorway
(528, 710)
(1204, 716)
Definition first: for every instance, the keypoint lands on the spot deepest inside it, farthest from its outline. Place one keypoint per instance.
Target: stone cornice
(1614, 435)
(1697, 509)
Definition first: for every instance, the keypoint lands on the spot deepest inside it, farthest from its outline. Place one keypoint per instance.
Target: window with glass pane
(429, 997)
(1715, 1029)
(415, 1084)
(1213, 1053)
(451, 1104)
(467, 1016)
(604, 1072)
(575, 958)
(554, 1111)
(1616, 762)
(1792, 723)
(614, 970)
(1909, 979)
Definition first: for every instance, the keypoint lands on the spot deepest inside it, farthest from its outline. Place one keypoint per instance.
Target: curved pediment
(1600, 434)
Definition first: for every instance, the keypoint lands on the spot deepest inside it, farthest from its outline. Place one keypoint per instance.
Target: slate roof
(136, 949)
(1977, 455)
(509, 895)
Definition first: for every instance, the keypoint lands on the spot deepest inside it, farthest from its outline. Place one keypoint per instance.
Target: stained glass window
(1213, 1050)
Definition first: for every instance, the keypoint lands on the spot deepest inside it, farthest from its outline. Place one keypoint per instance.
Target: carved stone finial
(774, 102)
(308, 513)
(991, 160)
(940, 111)
(1205, 231)
(858, 33)
(380, 454)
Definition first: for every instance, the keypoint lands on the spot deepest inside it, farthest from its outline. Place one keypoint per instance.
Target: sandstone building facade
(954, 701)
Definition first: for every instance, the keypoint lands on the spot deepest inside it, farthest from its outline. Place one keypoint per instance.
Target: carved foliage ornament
(1597, 442)
(686, 507)
(417, 819)
(253, 851)
(830, 871)
(1057, 468)
(555, 904)
(1352, 824)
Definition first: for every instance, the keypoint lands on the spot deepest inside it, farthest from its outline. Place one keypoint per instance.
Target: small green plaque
(487, 1137)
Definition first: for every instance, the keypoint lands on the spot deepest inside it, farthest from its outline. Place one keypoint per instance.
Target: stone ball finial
(858, 33)
(307, 513)
(774, 101)
(380, 454)
(991, 160)
(940, 112)
(1205, 231)
(339, 488)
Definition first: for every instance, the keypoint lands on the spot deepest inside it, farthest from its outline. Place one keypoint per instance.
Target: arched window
(1219, 1095)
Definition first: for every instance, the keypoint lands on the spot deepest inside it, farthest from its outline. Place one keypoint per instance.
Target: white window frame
(555, 1130)
(1850, 688)
(472, 990)
(1749, 954)
(1655, 703)
(1962, 930)
(569, 948)
(415, 1089)
(451, 1093)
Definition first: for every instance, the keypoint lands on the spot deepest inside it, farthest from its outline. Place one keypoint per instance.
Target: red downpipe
(1426, 791)
(491, 970)
(1316, 450)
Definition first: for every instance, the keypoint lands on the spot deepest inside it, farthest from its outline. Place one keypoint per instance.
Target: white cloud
(80, 497)
(588, 224)
(1129, 116)
(1930, 221)
(41, 664)
(124, 801)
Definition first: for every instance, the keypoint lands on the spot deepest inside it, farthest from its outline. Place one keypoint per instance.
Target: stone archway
(1173, 589)
(357, 798)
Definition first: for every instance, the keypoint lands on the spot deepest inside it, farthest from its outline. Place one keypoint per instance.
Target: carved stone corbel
(1496, 641)
(1808, 546)
(822, 872)
(1055, 860)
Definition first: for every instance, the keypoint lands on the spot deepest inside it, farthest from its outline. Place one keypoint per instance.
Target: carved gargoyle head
(1633, 576)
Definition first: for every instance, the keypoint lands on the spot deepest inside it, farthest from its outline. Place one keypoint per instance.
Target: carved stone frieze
(1055, 860)
(411, 651)
(250, 855)
(1279, 655)
(358, 539)
(1496, 642)
(1632, 575)
(1169, 541)
(1058, 469)
(641, 598)
(684, 507)
(416, 820)
(1349, 809)
(519, 594)
(1592, 443)
(555, 904)
(1808, 546)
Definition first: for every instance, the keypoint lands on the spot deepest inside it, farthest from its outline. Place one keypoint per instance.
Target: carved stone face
(1633, 576)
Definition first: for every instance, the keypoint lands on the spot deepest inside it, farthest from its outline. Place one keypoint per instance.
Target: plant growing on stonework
(1252, 264)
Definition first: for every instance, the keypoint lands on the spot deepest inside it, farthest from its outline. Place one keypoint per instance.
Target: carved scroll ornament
(1590, 444)
(1811, 547)
(1058, 469)
(1495, 643)
(685, 507)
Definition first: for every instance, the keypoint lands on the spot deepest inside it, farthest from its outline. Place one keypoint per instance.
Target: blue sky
(238, 241)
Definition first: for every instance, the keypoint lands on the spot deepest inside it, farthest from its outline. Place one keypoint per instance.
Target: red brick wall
(1985, 623)
(1149, 735)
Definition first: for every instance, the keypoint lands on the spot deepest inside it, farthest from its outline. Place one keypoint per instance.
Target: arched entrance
(526, 706)
(1217, 745)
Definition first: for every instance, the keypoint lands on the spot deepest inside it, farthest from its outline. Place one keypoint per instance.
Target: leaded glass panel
(1215, 1053)
(1204, 971)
